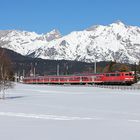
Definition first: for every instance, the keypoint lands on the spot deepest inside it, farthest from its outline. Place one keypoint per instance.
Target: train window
(77, 78)
(117, 74)
(107, 75)
(62, 79)
(84, 78)
(72, 79)
(47, 79)
(130, 74)
(112, 74)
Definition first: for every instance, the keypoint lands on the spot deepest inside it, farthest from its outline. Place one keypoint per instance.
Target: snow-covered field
(43, 112)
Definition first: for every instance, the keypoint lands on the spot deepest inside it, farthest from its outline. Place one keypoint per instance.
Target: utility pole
(57, 69)
(95, 67)
(67, 68)
(18, 75)
(35, 69)
(23, 74)
(31, 69)
(135, 73)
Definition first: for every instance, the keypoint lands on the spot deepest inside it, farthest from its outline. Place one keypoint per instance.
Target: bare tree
(5, 73)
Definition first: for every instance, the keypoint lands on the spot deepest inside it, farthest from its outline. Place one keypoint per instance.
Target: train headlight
(129, 78)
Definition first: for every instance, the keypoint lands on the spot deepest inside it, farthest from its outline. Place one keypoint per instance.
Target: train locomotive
(102, 78)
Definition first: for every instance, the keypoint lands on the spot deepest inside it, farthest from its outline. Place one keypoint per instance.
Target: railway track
(133, 87)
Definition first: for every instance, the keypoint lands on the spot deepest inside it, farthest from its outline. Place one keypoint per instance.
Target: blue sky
(42, 16)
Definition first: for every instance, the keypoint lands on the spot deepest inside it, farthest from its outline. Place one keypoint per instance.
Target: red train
(104, 78)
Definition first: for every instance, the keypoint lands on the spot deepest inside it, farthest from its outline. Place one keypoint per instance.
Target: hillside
(27, 64)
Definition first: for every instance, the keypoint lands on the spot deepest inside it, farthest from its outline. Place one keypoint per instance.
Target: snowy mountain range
(116, 41)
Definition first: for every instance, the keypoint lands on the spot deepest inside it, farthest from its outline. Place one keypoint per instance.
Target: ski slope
(50, 112)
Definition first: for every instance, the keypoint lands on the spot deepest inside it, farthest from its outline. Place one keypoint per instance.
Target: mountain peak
(54, 31)
(54, 34)
(92, 28)
(118, 23)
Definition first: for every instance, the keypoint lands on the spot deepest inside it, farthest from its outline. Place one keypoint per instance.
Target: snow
(116, 41)
(25, 42)
(138, 82)
(50, 112)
